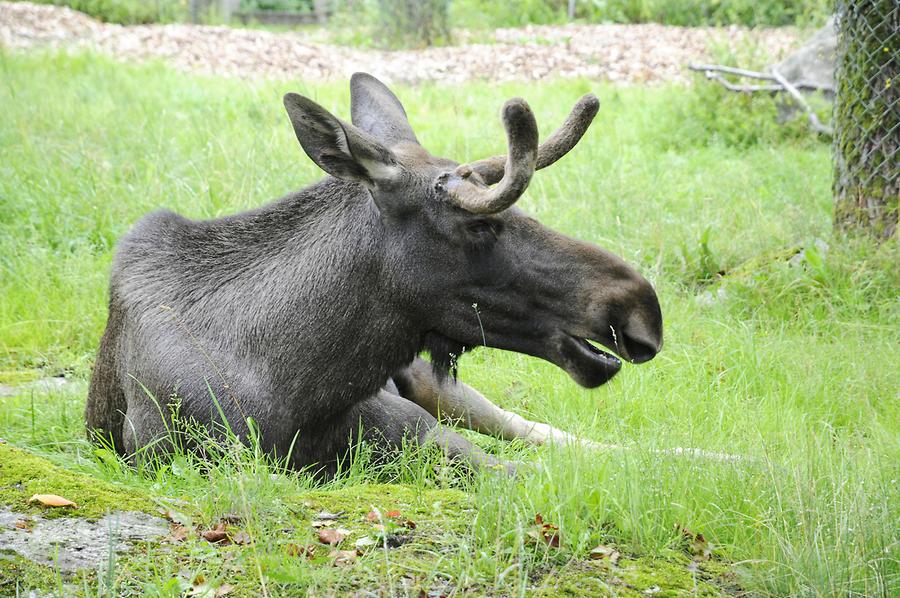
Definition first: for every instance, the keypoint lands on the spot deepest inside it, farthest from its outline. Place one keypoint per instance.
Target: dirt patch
(645, 53)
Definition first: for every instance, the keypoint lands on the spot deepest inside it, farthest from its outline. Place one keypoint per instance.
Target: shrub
(414, 22)
(488, 13)
(128, 12)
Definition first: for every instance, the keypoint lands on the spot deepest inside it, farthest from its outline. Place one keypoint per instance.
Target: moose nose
(639, 350)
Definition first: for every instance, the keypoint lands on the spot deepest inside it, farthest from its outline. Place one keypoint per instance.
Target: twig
(731, 71)
(813, 118)
(740, 88)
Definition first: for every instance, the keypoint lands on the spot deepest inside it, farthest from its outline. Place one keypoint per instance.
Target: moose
(308, 316)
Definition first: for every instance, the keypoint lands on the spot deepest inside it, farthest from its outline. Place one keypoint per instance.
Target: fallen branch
(813, 118)
(740, 88)
(711, 71)
(731, 71)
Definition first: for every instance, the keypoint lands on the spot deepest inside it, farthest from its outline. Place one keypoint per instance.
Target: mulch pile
(620, 53)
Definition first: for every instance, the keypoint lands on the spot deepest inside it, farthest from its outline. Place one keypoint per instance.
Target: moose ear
(339, 148)
(375, 109)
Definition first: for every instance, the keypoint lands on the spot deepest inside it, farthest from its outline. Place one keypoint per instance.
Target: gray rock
(811, 66)
(73, 543)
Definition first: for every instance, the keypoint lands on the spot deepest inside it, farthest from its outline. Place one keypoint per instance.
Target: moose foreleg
(458, 403)
(388, 421)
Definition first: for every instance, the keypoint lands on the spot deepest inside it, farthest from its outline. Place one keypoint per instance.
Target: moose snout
(639, 349)
(642, 334)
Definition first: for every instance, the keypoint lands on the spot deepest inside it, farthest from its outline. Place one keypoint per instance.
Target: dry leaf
(343, 557)
(698, 546)
(223, 589)
(317, 523)
(20, 524)
(332, 537)
(393, 514)
(297, 550)
(240, 538)
(232, 518)
(545, 532)
(179, 533)
(605, 553)
(216, 535)
(365, 542)
(52, 500)
(373, 516)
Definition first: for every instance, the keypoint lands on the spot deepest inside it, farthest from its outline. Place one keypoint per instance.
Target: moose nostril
(638, 350)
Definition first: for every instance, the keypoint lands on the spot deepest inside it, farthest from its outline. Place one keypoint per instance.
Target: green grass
(793, 366)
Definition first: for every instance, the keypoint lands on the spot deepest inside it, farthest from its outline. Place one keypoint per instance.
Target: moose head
(471, 268)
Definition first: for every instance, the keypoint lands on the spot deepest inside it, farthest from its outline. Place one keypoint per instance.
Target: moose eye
(482, 227)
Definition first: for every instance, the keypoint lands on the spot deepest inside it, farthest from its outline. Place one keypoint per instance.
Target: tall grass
(788, 359)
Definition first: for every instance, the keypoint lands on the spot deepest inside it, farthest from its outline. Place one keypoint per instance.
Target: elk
(309, 315)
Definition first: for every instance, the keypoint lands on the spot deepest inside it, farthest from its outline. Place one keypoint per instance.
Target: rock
(811, 66)
(73, 543)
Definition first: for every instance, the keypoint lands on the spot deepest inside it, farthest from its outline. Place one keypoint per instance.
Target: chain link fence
(867, 116)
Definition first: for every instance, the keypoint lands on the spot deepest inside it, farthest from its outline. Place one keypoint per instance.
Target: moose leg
(386, 420)
(456, 402)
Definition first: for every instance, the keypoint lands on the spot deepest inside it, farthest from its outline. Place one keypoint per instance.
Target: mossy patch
(23, 475)
(19, 575)
(645, 576)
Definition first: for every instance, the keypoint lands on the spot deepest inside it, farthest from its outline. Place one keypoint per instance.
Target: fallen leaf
(297, 550)
(395, 514)
(179, 533)
(216, 535)
(176, 517)
(544, 532)
(317, 523)
(232, 518)
(20, 524)
(52, 500)
(365, 542)
(332, 537)
(605, 553)
(343, 557)
(240, 538)
(697, 544)
(373, 516)
(223, 589)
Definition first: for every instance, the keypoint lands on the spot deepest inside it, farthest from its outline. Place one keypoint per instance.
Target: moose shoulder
(307, 315)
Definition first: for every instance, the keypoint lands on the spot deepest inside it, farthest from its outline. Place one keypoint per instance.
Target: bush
(279, 5)
(414, 22)
(488, 13)
(128, 12)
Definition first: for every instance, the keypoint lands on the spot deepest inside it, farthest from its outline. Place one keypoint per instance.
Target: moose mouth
(587, 364)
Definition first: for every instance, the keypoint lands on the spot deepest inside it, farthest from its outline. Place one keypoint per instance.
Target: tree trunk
(867, 117)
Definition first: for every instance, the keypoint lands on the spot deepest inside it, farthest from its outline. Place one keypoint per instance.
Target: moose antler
(555, 147)
(522, 139)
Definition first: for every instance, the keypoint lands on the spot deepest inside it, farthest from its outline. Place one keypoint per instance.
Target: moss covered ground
(397, 535)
